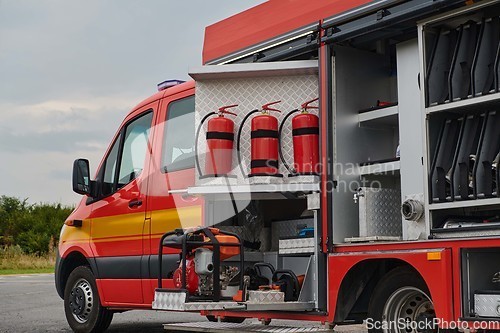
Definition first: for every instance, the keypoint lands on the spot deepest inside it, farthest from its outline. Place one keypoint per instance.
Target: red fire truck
(338, 163)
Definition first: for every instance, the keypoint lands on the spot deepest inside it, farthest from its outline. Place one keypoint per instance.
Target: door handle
(135, 203)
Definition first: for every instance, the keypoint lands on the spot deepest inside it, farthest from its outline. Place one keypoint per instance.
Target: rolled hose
(280, 150)
(238, 139)
(198, 130)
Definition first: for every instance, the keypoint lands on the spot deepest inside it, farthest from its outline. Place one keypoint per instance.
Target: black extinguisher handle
(238, 139)
(198, 130)
(280, 148)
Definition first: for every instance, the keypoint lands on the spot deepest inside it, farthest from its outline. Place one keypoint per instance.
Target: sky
(71, 70)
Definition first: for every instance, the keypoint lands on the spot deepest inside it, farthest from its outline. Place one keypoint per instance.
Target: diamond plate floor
(244, 328)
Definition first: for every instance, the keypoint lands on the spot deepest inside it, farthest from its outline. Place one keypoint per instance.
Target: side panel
(410, 123)
(436, 273)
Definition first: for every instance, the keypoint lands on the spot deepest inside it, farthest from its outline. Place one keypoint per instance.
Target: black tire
(401, 293)
(82, 306)
(237, 320)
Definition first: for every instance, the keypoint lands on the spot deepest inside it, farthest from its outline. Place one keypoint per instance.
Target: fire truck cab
(338, 163)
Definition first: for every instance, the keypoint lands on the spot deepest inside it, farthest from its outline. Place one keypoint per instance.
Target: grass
(14, 261)
(26, 271)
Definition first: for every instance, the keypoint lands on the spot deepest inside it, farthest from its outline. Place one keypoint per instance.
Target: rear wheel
(84, 311)
(401, 303)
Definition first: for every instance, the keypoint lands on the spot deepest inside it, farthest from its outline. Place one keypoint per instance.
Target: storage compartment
(366, 145)
(464, 222)
(466, 151)
(462, 122)
(481, 282)
(462, 56)
(247, 88)
(271, 230)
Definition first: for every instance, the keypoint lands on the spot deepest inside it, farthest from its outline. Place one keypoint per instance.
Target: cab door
(119, 212)
(172, 173)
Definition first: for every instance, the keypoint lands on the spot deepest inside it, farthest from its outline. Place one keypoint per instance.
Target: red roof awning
(266, 21)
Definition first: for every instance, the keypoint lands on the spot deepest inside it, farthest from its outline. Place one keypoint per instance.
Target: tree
(34, 227)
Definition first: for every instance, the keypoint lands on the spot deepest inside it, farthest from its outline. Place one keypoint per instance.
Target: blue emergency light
(168, 84)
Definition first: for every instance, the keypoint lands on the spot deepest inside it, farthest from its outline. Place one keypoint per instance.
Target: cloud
(71, 70)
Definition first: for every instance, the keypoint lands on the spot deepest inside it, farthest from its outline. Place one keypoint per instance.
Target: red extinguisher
(264, 142)
(305, 131)
(220, 138)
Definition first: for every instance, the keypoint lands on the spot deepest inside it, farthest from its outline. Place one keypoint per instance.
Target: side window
(178, 144)
(135, 147)
(108, 179)
(126, 158)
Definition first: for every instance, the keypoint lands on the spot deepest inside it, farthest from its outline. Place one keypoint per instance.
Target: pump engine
(199, 274)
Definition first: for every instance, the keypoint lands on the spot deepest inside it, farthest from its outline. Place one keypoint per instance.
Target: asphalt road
(29, 303)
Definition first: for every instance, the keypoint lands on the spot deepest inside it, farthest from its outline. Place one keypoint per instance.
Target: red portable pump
(264, 142)
(191, 276)
(305, 131)
(220, 138)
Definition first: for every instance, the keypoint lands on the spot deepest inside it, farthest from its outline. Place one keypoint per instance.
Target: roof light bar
(168, 84)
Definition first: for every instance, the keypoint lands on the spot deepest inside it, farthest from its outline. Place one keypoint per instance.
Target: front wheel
(84, 311)
(401, 303)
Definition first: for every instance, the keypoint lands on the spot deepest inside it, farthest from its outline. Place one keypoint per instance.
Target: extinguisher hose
(238, 140)
(280, 150)
(208, 115)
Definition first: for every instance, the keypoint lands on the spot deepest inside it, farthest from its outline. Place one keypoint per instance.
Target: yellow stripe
(132, 226)
(171, 219)
(118, 225)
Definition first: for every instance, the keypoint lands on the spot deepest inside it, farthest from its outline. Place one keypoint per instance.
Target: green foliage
(34, 228)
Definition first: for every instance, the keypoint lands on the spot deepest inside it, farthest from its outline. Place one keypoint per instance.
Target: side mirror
(81, 177)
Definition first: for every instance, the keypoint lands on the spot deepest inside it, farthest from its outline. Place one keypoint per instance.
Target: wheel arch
(65, 265)
(358, 284)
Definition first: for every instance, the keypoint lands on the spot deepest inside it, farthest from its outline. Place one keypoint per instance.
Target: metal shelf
(381, 117)
(380, 168)
(252, 70)
(256, 188)
(465, 204)
(466, 104)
